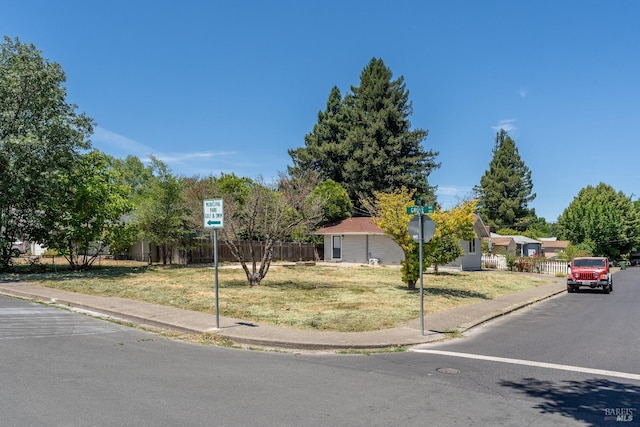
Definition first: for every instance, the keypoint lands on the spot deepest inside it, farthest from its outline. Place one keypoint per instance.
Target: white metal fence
(533, 265)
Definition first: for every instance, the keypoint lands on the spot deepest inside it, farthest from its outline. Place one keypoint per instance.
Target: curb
(279, 342)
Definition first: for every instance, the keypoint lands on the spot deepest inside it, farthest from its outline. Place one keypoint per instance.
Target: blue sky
(213, 86)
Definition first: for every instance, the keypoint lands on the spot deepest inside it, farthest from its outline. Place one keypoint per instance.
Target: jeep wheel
(570, 289)
(606, 289)
(15, 253)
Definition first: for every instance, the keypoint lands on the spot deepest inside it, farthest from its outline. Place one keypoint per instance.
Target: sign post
(421, 229)
(213, 216)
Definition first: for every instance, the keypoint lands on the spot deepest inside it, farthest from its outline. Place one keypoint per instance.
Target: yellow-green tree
(389, 212)
(452, 226)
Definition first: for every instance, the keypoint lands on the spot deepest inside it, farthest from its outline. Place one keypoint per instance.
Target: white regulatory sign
(213, 213)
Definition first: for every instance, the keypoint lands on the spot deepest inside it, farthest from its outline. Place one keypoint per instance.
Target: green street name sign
(415, 210)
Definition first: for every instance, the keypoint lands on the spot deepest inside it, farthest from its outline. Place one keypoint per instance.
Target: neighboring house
(527, 246)
(501, 245)
(472, 258)
(142, 250)
(360, 240)
(552, 247)
(524, 245)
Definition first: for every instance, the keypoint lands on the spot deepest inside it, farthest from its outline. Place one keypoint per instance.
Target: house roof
(555, 244)
(501, 241)
(520, 240)
(365, 225)
(479, 227)
(359, 225)
(523, 240)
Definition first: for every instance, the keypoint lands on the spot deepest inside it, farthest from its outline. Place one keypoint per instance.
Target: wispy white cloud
(182, 157)
(452, 195)
(523, 93)
(118, 145)
(506, 124)
(110, 141)
(452, 190)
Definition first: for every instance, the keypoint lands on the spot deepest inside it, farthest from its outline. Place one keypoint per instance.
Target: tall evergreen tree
(365, 141)
(505, 189)
(325, 151)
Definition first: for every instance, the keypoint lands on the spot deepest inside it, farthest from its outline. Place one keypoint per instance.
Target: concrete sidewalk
(436, 325)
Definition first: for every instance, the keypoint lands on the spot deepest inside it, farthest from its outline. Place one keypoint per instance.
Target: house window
(336, 247)
(472, 246)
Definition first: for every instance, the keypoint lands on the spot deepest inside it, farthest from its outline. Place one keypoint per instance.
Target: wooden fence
(282, 251)
(533, 265)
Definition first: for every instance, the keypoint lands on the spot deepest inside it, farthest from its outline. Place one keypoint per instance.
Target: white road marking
(533, 363)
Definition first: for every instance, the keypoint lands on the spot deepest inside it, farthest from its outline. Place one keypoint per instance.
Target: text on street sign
(213, 213)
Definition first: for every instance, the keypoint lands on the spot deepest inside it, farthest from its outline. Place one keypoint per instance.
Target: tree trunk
(254, 279)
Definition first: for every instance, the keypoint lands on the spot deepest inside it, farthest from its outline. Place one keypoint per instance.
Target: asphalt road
(571, 360)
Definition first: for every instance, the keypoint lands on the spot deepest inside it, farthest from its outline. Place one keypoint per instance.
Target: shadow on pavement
(597, 402)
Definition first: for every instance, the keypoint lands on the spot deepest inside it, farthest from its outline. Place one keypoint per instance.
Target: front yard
(358, 298)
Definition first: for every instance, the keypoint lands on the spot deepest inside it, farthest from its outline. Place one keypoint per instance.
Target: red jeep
(589, 271)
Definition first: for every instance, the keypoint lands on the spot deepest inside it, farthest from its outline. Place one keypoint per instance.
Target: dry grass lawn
(359, 298)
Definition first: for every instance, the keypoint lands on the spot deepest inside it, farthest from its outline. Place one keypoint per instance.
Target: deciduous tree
(92, 212)
(603, 220)
(41, 137)
(452, 227)
(388, 211)
(161, 215)
(335, 200)
(262, 215)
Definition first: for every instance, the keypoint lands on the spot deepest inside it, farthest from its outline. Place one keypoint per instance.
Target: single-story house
(501, 245)
(552, 247)
(472, 258)
(524, 245)
(360, 240)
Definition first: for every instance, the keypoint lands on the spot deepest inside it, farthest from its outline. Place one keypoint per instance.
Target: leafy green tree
(452, 226)
(573, 251)
(540, 228)
(388, 211)
(335, 200)
(133, 173)
(505, 189)
(122, 238)
(262, 215)
(93, 209)
(41, 137)
(601, 220)
(506, 231)
(442, 251)
(365, 141)
(162, 216)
